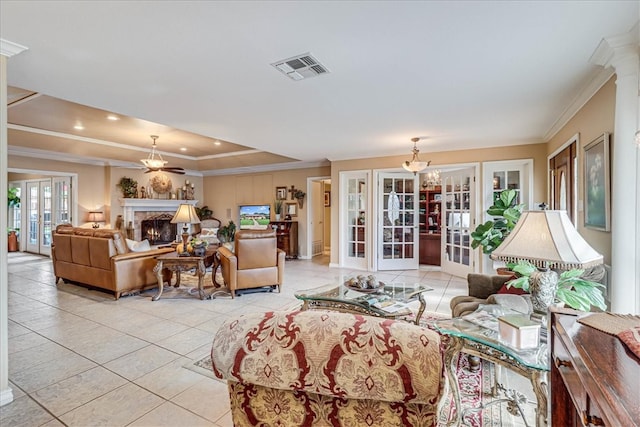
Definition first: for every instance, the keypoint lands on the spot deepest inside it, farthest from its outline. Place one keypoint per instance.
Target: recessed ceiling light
(217, 143)
(78, 127)
(112, 117)
(183, 149)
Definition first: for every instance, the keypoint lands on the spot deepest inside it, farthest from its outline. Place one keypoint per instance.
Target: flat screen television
(254, 217)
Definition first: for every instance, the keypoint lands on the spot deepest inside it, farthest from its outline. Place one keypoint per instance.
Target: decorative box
(519, 331)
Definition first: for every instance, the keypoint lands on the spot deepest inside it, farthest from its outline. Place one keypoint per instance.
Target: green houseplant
(227, 233)
(505, 213)
(572, 290)
(129, 187)
(13, 198)
(277, 208)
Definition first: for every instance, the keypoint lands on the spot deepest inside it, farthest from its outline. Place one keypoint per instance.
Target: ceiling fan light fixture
(415, 165)
(151, 161)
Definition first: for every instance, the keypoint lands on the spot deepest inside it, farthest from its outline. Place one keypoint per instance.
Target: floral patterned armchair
(323, 368)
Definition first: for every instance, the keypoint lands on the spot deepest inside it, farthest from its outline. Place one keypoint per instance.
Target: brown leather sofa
(257, 261)
(100, 258)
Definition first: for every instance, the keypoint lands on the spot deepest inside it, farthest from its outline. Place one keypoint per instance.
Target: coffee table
(389, 301)
(461, 335)
(175, 263)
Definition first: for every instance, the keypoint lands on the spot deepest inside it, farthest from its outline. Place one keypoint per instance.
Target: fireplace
(137, 210)
(158, 229)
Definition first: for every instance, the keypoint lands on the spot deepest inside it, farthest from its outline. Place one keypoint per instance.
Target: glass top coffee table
(388, 301)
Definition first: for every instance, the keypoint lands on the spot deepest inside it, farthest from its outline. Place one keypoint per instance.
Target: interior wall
(537, 152)
(223, 194)
(594, 118)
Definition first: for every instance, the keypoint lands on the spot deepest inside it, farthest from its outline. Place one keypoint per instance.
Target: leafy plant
(277, 206)
(227, 233)
(574, 291)
(505, 213)
(204, 212)
(13, 198)
(129, 187)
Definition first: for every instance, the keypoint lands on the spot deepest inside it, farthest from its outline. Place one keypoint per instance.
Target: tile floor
(80, 358)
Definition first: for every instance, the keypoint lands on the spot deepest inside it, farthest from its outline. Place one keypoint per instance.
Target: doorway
(319, 218)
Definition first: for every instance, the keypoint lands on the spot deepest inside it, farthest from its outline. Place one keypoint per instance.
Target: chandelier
(152, 162)
(415, 165)
(431, 179)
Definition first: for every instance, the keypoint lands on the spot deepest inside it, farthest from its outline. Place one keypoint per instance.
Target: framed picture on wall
(281, 193)
(597, 196)
(292, 209)
(327, 198)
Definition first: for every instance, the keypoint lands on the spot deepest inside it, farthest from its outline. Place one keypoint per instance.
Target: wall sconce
(95, 217)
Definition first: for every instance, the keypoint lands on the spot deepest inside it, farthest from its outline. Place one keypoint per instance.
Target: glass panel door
(398, 222)
(39, 210)
(458, 195)
(61, 201)
(355, 220)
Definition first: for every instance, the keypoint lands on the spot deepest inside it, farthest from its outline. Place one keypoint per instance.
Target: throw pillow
(209, 232)
(513, 291)
(138, 246)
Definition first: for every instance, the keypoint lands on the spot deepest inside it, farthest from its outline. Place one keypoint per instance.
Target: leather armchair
(257, 261)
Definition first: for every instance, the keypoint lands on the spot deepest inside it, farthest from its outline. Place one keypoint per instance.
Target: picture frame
(437, 197)
(327, 198)
(281, 193)
(597, 178)
(292, 209)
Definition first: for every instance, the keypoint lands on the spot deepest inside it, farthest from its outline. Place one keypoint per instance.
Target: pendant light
(415, 165)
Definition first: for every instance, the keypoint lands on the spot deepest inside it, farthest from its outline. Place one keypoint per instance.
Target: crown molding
(267, 168)
(579, 101)
(10, 49)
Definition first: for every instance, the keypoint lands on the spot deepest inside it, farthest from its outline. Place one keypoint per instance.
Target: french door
(397, 230)
(458, 190)
(48, 204)
(355, 219)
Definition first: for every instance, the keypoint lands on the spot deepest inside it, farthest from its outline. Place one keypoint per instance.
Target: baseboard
(6, 396)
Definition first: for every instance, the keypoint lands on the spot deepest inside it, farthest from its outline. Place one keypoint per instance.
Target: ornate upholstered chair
(207, 230)
(257, 261)
(315, 367)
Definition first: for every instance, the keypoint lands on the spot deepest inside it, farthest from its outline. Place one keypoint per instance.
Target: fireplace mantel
(131, 206)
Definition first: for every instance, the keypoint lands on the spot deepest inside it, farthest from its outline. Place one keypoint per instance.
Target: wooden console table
(594, 377)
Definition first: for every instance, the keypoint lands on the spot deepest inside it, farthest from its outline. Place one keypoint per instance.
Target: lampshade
(95, 217)
(547, 239)
(187, 214)
(415, 165)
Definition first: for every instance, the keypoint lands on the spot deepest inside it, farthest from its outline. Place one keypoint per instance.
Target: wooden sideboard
(287, 237)
(594, 377)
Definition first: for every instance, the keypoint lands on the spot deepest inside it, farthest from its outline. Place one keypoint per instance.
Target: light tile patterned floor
(80, 358)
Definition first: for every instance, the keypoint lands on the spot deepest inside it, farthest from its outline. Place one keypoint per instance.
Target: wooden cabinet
(429, 217)
(287, 236)
(594, 378)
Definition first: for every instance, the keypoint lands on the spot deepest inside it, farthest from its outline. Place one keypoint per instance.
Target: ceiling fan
(154, 164)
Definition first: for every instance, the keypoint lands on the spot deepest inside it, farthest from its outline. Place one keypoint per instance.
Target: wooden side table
(176, 263)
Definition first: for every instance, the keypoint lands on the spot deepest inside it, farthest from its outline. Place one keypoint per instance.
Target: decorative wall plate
(161, 184)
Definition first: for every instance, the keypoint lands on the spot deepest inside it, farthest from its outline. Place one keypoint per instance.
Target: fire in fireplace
(158, 229)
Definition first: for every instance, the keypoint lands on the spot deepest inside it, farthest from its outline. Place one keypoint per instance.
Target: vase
(277, 217)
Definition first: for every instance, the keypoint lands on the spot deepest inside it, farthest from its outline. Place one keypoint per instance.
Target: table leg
(158, 270)
(539, 383)
(200, 271)
(451, 354)
(423, 305)
(214, 270)
(177, 285)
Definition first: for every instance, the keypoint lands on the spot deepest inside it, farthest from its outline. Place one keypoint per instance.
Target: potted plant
(129, 187)
(13, 200)
(204, 212)
(505, 213)
(299, 196)
(572, 289)
(227, 234)
(277, 208)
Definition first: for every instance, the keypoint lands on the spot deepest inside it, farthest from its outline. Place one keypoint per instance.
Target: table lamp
(95, 217)
(185, 214)
(548, 240)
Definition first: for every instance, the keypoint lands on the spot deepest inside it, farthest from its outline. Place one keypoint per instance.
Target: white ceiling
(462, 74)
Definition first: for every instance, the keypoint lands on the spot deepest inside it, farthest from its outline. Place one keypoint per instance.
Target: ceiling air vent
(301, 67)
